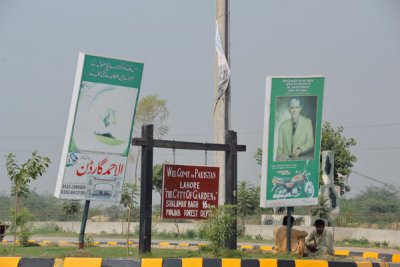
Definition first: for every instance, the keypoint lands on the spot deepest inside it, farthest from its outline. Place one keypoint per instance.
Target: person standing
(297, 238)
(320, 241)
(295, 139)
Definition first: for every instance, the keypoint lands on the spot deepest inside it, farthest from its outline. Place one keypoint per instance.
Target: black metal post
(289, 227)
(146, 186)
(231, 184)
(83, 225)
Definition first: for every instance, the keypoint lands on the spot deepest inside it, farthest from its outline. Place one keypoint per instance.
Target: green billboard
(99, 130)
(292, 141)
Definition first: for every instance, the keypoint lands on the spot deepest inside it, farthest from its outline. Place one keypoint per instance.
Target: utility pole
(222, 107)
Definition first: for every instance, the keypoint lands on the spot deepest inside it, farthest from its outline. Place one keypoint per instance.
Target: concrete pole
(222, 107)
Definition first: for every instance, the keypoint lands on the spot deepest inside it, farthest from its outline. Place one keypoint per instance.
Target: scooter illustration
(289, 187)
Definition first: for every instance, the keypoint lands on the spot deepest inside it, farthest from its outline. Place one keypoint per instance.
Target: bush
(362, 241)
(50, 227)
(259, 237)
(23, 237)
(89, 241)
(219, 227)
(190, 233)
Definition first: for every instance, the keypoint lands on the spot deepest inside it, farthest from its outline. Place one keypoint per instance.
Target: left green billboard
(99, 129)
(292, 139)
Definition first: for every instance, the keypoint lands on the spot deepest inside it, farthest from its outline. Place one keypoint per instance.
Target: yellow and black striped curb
(183, 262)
(346, 253)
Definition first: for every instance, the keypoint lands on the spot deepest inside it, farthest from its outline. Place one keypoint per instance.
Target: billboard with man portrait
(292, 126)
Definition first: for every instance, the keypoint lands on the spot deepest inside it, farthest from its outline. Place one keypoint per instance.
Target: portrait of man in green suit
(295, 136)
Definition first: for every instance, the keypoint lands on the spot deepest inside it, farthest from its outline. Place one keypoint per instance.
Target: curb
(182, 262)
(394, 258)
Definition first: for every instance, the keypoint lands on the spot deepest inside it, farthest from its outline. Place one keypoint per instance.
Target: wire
(375, 180)
(375, 148)
(373, 125)
(30, 136)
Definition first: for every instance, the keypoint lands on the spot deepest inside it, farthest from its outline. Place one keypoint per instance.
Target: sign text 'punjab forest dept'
(189, 192)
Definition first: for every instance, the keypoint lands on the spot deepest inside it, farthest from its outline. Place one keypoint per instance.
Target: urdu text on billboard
(99, 128)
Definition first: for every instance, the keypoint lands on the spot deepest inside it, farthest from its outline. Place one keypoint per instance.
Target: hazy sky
(355, 44)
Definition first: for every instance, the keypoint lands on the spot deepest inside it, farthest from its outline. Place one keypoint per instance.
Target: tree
(247, 200)
(71, 208)
(21, 176)
(150, 110)
(128, 200)
(333, 140)
(322, 210)
(258, 156)
(113, 213)
(157, 178)
(40, 205)
(376, 199)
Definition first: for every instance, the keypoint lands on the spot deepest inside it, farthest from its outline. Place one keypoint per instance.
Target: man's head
(295, 108)
(319, 226)
(285, 220)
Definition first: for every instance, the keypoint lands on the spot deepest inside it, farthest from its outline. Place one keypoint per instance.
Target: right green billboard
(292, 141)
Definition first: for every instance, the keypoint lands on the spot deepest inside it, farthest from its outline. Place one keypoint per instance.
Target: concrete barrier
(120, 263)
(9, 261)
(33, 262)
(82, 262)
(184, 262)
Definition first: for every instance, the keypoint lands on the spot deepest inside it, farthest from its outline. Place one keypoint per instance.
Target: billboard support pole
(289, 227)
(83, 225)
(231, 184)
(146, 187)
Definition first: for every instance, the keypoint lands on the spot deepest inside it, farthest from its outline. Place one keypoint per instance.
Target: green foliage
(362, 241)
(89, 241)
(258, 156)
(71, 208)
(218, 227)
(38, 203)
(333, 140)
(248, 201)
(23, 236)
(379, 200)
(152, 110)
(129, 195)
(375, 200)
(50, 227)
(22, 175)
(22, 219)
(113, 212)
(157, 178)
(21, 227)
(323, 209)
(190, 233)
